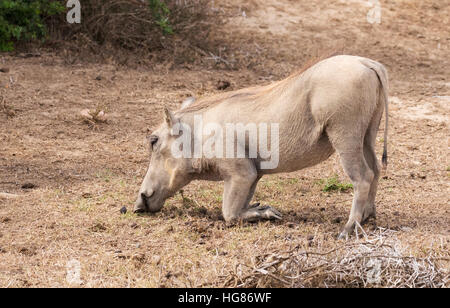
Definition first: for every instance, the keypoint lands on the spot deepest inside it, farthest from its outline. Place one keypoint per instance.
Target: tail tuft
(384, 158)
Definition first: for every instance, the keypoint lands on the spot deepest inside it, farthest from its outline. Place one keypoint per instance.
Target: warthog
(334, 105)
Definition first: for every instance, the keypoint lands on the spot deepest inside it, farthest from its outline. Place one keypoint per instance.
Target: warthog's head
(166, 174)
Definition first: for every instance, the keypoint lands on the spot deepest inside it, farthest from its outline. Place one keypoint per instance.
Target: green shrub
(333, 184)
(161, 13)
(23, 20)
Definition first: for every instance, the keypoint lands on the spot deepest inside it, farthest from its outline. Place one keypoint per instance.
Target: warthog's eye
(153, 140)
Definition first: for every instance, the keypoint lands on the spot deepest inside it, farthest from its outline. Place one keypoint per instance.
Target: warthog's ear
(187, 102)
(169, 118)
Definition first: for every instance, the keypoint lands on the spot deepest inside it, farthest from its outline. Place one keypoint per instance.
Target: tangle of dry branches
(378, 260)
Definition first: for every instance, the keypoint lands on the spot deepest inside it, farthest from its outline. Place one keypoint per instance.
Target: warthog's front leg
(238, 192)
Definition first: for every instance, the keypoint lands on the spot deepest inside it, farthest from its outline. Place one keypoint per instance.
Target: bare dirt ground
(63, 181)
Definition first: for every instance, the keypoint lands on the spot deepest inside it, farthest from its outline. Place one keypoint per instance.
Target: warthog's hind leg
(371, 160)
(362, 176)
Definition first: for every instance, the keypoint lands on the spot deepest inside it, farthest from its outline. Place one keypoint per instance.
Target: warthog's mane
(252, 93)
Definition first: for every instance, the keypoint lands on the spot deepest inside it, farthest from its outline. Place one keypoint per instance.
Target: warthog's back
(322, 87)
(337, 89)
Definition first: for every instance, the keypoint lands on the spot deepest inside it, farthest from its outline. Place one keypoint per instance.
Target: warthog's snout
(142, 203)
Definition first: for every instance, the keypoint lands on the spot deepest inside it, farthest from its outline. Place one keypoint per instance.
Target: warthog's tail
(381, 72)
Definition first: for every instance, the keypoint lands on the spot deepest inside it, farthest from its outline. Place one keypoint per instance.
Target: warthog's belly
(293, 160)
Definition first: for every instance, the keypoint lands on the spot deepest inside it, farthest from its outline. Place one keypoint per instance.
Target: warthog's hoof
(368, 216)
(343, 236)
(268, 212)
(255, 213)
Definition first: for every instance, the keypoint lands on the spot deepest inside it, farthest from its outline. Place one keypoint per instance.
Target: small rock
(290, 225)
(98, 227)
(87, 195)
(5, 219)
(202, 210)
(337, 220)
(28, 186)
(223, 85)
(140, 257)
(99, 77)
(100, 116)
(156, 260)
(86, 113)
(27, 251)
(4, 70)
(123, 210)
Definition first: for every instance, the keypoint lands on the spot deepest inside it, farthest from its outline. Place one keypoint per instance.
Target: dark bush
(137, 24)
(135, 31)
(142, 30)
(23, 21)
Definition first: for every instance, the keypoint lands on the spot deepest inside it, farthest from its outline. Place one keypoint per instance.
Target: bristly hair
(313, 61)
(253, 91)
(207, 102)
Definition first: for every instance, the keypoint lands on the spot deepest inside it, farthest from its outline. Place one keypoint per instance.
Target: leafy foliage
(24, 20)
(161, 13)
